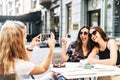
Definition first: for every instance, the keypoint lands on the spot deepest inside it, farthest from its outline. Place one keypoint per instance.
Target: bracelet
(29, 49)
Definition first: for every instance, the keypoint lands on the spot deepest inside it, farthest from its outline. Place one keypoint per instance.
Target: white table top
(73, 70)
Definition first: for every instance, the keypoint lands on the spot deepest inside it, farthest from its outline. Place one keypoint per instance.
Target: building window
(0, 9)
(56, 22)
(33, 4)
(69, 19)
(116, 18)
(45, 22)
(10, 5)
(17, 10)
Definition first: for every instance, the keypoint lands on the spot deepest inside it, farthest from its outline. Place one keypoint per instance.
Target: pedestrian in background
(13, 56)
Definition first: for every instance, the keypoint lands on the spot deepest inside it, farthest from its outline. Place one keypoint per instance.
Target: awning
(30, 17)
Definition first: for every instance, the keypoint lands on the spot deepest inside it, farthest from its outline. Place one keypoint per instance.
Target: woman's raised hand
(64, 41)
(35, 41)
(51, 41)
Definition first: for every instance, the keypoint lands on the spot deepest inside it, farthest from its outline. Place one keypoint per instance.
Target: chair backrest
(7, 77)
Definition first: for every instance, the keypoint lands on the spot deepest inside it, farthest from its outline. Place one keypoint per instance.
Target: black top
(106, 54)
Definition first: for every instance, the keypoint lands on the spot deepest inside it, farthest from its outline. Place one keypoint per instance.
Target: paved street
(38, 56)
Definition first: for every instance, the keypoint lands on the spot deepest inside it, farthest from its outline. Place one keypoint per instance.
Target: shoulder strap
(107, 45)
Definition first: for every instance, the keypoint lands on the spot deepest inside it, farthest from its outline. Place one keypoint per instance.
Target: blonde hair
(12, 45)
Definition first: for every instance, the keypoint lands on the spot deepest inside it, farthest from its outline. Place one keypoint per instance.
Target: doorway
(94, 18)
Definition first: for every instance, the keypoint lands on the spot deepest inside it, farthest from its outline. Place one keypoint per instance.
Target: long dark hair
(102, 33)
(78, 42)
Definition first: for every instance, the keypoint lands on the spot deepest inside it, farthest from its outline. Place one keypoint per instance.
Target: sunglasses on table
(93, 33)
(85, 33)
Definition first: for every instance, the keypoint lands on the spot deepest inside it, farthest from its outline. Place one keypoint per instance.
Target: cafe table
(74, 70)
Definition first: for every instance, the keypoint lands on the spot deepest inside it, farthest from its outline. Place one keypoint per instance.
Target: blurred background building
(70, 15)
(64, 16)
(27, 11)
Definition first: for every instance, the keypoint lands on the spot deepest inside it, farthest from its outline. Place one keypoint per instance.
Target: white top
(23, 68)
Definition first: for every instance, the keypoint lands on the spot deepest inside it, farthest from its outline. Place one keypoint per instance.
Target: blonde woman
(13, 56)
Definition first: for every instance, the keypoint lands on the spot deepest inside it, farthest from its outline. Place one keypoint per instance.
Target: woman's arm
(64, 55)
(92, 56)
(35, 41)
(113, 53)
(38, 69)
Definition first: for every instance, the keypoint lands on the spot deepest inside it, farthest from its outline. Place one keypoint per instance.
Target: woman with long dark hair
(107, 49)
(78, 49)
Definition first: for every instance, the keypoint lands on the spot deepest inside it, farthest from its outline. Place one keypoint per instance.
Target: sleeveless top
(74, 57)
(106, 54)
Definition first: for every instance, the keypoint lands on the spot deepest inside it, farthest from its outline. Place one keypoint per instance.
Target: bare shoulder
(111, 41)
(118, 43)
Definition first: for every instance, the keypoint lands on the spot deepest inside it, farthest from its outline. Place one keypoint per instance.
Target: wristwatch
(29, 49)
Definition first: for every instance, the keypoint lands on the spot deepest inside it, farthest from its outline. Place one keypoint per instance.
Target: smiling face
(94, 35)
(84, 35)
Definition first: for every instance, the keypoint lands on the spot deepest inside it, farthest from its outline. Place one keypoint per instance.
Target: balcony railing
(45, 3)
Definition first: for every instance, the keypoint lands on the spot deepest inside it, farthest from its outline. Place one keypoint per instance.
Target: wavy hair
(79, 42)
(101, 32)
(12, 45)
